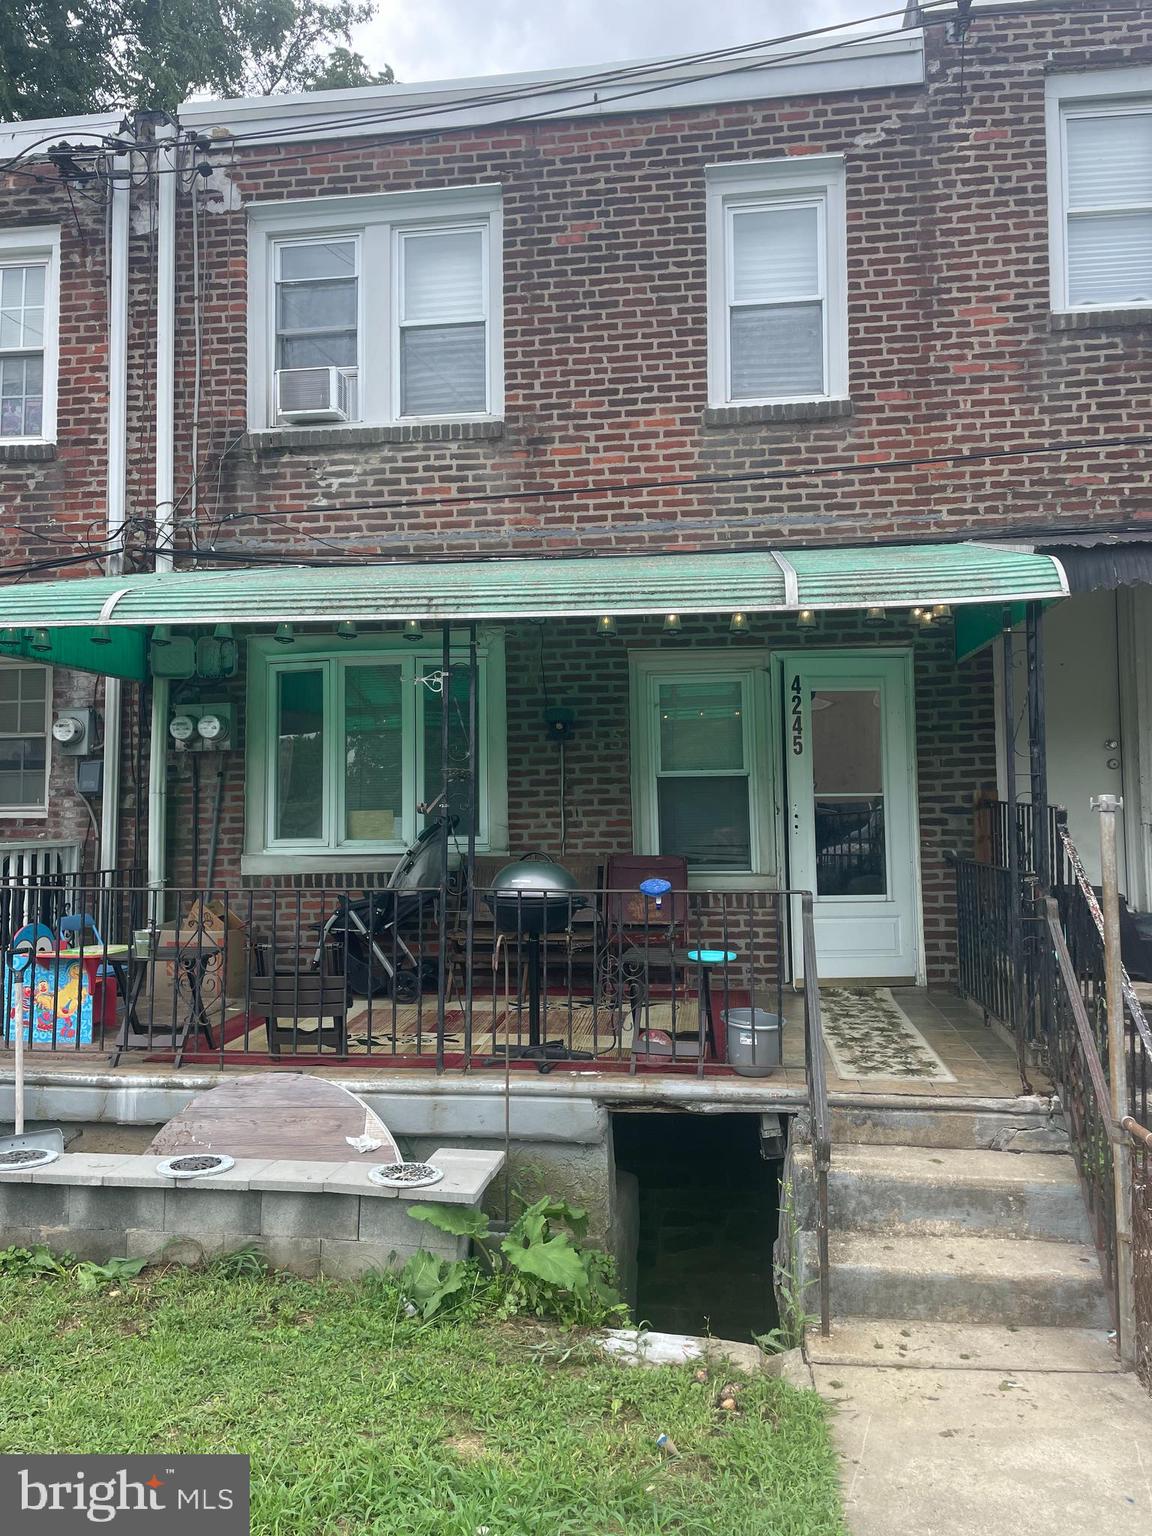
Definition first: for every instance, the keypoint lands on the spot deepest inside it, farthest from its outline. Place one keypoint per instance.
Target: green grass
(360, 1422)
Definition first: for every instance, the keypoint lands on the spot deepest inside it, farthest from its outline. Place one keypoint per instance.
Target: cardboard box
(210, 939)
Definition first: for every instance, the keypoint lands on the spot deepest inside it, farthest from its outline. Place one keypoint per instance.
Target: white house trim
(859, 63)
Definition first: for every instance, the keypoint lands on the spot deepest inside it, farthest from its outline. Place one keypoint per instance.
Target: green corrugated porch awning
(76, 614)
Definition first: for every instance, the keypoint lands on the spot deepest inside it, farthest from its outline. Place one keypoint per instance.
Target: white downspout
(166, 177)
(117, 492)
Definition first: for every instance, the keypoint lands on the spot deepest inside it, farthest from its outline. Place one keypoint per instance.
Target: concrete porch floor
(980, 1060)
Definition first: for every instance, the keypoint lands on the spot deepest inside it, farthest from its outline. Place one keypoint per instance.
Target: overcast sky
(448, 39)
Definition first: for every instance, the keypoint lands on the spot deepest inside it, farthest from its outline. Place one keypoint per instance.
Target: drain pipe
(117, 488)
(165, 513)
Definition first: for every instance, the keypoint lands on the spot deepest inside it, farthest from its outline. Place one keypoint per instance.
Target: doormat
(869, 1036)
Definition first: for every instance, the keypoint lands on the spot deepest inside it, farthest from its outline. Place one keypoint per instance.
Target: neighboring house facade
(877, 294)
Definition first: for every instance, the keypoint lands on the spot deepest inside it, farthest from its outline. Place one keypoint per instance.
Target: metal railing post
(1107, 806)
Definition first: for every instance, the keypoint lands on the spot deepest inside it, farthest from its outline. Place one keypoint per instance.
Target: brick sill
(27, 453)
(1099, 319)
(279, 438)
(791, 410)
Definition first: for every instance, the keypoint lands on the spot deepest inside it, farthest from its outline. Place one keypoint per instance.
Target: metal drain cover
(405, 1175)
(24, 1158)
(195, 1165)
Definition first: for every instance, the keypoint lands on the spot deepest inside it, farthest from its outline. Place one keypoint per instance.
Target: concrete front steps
(945, 1228)
(912, 1345)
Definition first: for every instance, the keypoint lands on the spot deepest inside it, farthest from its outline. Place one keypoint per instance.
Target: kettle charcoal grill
(529, 898)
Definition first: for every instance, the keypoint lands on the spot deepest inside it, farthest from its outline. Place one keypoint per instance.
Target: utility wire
(741, 477)
(592, 80)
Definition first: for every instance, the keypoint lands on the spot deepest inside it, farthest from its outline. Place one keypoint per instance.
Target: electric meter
(67, 729)
(211, 727)
(181, 728)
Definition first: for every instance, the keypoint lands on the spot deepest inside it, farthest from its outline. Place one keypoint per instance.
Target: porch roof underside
(124, 608)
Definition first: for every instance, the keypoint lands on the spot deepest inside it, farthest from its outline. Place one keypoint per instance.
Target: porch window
(700, 762)
(776, 260)
(346, 745)
(28, 341)
(25, 695)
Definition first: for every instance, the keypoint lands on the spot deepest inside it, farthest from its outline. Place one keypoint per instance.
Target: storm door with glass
(851, 810)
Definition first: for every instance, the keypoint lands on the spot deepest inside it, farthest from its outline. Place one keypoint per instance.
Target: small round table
(706, 961)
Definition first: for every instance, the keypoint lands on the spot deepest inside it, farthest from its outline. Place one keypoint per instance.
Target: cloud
(454, 39)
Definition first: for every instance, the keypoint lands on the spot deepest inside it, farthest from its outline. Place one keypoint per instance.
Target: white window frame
(39, 811)
(751, 668)
(34, 246)
(267, 660)
(376, 220)
(751, 185)
(1096, 94)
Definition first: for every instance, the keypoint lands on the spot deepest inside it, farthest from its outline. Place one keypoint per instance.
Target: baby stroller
(366, 933)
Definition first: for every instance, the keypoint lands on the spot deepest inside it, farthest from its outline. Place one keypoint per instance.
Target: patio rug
(869, 1036)
(412, 1031)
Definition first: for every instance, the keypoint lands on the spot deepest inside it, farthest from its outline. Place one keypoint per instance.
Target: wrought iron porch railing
(361, 972)
(1035, 962)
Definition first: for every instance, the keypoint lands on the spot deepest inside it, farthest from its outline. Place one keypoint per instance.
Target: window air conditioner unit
(314, 394)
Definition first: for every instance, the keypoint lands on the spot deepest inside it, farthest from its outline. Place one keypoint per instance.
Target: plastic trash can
(753, 1036)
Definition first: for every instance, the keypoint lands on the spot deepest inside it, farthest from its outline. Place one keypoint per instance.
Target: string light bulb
(346, 629)
(605, 624)
(284, 634)
(413, 630)
(875, 616)
(806, 618)
(672, 624)
(738, 624)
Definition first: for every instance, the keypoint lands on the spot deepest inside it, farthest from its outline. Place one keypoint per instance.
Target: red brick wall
(952, 345)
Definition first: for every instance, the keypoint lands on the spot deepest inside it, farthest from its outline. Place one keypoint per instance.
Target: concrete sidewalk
(945, 1450)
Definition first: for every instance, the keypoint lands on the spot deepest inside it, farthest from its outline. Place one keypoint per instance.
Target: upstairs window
(317, 306)
(777, 322)
(442, 321)
(27, 335)
(394, 299)
(1100, 191)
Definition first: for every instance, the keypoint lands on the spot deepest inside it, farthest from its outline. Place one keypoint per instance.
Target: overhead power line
(870, 468)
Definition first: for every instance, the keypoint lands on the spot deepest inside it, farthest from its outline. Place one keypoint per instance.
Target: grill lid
(535, 876)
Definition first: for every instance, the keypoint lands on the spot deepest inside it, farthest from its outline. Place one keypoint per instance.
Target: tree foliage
(58, 59)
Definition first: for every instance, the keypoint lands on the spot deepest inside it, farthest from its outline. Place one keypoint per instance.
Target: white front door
(852, 810)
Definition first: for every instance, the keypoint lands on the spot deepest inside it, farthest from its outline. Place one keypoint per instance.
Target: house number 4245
(797, 701)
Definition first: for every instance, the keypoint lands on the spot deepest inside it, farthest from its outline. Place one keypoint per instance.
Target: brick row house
(728, 409)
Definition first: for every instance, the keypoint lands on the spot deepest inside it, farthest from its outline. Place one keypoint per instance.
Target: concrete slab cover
(277, 1115)
(970, 1453)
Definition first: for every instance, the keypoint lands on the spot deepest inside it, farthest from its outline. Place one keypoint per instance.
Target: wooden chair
(642, 935)
(284, 987)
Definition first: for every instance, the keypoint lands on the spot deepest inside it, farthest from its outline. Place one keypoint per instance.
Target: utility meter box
(75, 731)
(175, 657)
(201, 727)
